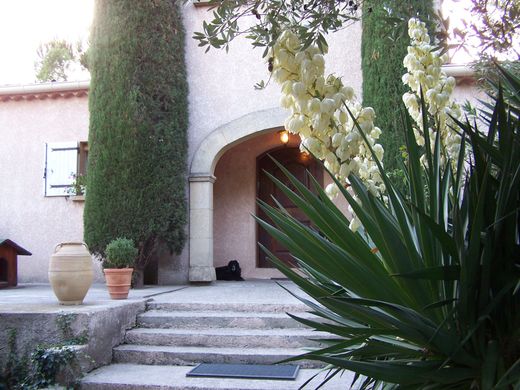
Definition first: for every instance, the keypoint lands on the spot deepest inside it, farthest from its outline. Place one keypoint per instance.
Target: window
(63, 162)
(82, 158)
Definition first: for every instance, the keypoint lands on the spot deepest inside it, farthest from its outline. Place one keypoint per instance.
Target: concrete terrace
(39, 298)
(156, 336)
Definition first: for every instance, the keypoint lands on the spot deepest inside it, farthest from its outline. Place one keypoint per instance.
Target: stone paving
(39, 298)
(107, 322)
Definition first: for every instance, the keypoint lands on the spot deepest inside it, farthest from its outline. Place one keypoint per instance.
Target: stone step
(226, 337)
(188, 356)
(228, 306)
(137, 377)
(218, 319)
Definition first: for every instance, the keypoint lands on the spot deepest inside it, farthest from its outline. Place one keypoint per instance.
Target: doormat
(249, 371)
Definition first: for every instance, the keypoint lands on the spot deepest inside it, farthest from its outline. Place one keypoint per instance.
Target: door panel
(297, 163)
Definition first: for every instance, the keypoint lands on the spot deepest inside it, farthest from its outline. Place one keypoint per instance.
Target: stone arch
(201, 179)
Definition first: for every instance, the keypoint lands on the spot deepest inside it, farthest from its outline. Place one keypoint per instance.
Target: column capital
(201, 177)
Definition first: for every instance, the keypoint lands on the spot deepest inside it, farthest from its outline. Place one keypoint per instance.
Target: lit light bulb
(284, 136)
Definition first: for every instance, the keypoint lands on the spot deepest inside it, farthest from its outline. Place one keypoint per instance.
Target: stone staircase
(170, 338)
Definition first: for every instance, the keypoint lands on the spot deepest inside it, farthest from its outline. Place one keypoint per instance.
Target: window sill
(77, 198)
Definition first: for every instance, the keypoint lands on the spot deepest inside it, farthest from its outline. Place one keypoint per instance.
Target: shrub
(138, 124)
(120, 253)
(78, 186)
(427, 295)
(383, 46)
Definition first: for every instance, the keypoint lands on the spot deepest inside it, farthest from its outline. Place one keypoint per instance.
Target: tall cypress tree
(138, 127)
(383, 47)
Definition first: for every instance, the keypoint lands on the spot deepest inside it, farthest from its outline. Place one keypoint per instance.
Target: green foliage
(55, 59)
(47, 365)
(495, 25)
(310, 20)
(64, 323)
(47, 362)
(138, 124)
(121, 253)
(428, 295)
(78, 186)
(383, 46)
(398, 178)
(15, 371)
(488, 73)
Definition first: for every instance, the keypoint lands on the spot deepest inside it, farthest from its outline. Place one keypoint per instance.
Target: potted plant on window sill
(78, 187)
(117, 267)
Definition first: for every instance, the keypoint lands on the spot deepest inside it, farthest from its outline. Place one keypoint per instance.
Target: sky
(25, 24)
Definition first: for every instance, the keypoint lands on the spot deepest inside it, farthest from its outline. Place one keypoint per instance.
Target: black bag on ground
(231, 271)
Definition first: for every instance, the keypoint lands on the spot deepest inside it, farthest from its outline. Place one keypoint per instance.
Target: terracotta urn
(71, 272)
(118, 281)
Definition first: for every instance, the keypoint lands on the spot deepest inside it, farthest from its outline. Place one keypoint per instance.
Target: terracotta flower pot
(118, 281)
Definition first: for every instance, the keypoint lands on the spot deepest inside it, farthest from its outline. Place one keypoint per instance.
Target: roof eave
(19, 250)
(44, 90)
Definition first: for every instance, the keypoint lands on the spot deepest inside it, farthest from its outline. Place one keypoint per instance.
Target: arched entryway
(232, 235)
(239, 182)
(202, 179)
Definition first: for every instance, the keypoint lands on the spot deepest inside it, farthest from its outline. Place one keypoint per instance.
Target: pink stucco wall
(467, 91)
(27, 217)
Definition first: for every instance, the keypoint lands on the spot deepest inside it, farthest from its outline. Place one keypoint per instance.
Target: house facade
(44, 130)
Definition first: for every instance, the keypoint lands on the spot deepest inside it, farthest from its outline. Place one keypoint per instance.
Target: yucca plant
(427, 295)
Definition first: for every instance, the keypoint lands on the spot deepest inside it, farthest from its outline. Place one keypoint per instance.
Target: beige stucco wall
(27, 217)
(221, 84)
(467, 91)
(221, 92)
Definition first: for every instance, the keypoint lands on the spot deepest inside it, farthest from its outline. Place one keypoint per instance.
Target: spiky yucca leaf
(437, 305)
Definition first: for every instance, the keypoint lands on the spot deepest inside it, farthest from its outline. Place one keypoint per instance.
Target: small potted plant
(78, 187)
(117, 266)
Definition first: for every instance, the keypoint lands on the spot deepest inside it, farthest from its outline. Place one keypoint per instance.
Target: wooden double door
(297, 163)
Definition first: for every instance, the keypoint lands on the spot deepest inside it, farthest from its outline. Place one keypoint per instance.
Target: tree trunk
(138, 278)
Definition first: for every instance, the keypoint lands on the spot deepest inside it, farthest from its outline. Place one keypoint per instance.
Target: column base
(202, 274)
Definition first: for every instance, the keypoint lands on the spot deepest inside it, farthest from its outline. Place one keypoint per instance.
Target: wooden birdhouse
(9, 252)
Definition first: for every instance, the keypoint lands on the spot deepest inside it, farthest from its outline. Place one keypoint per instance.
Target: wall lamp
(284, 136)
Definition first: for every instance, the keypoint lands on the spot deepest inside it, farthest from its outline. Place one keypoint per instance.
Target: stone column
(201, 229)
